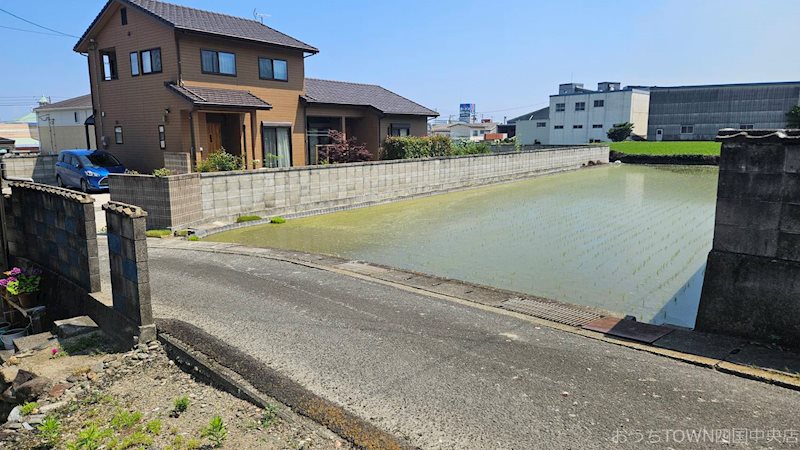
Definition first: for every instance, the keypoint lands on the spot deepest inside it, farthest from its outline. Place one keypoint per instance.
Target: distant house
(6, 145)
(167, 78)
(63, 125)
(23, 131)
(463, 131)
(533, 128)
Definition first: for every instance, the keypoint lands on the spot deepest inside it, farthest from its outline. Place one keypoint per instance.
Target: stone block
(746, 241)
(789, 246)
(74, 326)
(748, 213)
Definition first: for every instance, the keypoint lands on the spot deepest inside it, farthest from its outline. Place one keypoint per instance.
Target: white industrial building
(579, 116)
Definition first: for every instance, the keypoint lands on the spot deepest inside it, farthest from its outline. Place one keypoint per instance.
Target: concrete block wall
(170, 202)
(39, 168)
(225, 195)
(750, 286)
(127, 251)
(178, 163)
(55, 229)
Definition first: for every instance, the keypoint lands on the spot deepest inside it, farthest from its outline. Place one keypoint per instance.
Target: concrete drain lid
(556, 312)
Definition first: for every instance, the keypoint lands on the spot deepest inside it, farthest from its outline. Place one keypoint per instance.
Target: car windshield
(100, 159)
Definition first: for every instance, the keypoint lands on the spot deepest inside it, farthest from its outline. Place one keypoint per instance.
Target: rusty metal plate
(628, 329)
(556, 312)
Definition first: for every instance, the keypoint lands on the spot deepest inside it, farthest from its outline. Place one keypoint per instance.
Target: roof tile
(344, 93)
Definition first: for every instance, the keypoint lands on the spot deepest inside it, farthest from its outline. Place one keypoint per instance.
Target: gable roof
(344, 93)
(207, 22)
(541, 114)
(204, 96)
(82, 102)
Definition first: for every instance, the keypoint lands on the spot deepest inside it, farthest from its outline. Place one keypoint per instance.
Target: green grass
(667, 148)
(158, 233)
(241, 219)
(277, 220)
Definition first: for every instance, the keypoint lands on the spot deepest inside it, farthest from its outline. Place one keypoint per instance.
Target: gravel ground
(142, 386)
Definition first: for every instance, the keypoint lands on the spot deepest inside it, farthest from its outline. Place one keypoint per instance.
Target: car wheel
(84, 186)
(59, 181)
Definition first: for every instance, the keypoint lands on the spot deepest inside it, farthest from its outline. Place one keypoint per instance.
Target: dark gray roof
(203, 96)
(343, 93)
(539, 114)
(82, 102)
(207, 22)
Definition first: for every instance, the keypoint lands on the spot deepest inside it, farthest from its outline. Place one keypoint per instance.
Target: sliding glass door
(277, 146)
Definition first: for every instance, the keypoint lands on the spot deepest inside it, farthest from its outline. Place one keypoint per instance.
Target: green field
(667, 148)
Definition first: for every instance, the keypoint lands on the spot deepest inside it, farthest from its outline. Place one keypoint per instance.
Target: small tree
(620, 131)
(793, 117)
(344, 150)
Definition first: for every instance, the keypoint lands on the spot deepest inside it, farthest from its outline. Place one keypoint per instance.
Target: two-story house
(168, 78)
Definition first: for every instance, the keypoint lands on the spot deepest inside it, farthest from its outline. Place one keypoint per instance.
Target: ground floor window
(277, 146)
(687, 129)
(400, 129)
(162, 137)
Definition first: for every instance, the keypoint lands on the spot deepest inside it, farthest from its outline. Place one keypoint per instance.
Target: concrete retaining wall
(226, 195)
(751, 286)
(178, 163)
(39, 168)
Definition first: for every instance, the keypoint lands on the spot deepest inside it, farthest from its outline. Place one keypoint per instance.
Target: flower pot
(28, 300)
(8, 337)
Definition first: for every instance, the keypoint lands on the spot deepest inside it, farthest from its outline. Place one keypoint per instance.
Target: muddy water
(631, 239)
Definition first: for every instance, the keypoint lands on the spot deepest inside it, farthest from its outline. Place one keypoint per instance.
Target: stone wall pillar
(752, 281)
(130, 278)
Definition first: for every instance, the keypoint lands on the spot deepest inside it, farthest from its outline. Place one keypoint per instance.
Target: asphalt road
(448, 375)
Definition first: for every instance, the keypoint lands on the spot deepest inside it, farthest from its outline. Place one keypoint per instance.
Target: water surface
(631, 239)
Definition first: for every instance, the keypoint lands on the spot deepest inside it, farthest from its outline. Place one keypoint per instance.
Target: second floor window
(135, 64)
(541, 124)
(109, 60)
(218, 63)
(599, 103)
(560, 107)
(580, 106)
(151, 61)
(273, 69)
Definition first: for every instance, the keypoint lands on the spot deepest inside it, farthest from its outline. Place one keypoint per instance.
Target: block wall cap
(760, 136)
(79, 197)
(125, 209)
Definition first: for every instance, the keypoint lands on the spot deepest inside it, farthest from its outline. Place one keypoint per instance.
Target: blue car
(87, 170)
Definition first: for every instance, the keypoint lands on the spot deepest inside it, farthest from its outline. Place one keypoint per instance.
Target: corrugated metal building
(697, 113)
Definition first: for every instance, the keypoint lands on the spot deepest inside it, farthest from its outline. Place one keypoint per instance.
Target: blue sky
(506, 57)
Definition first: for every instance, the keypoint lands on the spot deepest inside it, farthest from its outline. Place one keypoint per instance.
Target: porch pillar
(254, 137)
(344, 127)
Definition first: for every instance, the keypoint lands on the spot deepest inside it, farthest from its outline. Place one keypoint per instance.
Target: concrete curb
(250, 379)
(753, 373)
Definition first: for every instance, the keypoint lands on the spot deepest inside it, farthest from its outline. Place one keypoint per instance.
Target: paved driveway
(448, 375)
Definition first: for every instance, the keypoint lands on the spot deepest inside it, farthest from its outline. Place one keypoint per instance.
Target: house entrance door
(214, 136)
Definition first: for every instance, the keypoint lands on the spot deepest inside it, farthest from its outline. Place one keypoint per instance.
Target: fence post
(130, 278)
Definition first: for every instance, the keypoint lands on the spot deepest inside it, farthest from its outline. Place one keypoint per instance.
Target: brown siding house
(168, 78)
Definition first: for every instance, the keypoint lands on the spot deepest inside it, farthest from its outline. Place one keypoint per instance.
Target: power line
(32, 31)
(37, 25)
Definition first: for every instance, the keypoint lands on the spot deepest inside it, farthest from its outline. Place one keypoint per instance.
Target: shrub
(220, 161)
(216, 431)
(469, 148)
(277, 220)
(193, 238)
(620, 131)
(158, 233)
(241, 219)
(343, 150)
(409, 147)
(162, 172)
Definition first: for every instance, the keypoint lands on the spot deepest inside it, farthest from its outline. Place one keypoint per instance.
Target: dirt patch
(130, 400)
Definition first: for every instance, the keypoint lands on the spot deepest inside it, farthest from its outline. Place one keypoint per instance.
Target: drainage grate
(556, 312)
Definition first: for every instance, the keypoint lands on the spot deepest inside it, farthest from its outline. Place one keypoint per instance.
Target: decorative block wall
(54, 228)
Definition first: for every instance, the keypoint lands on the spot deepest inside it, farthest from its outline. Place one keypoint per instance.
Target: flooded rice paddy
(631, 239)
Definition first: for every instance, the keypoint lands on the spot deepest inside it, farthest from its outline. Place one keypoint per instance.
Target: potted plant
(24, 286)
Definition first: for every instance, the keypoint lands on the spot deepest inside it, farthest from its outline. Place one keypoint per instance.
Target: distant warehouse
(696, 113)
(690, 113)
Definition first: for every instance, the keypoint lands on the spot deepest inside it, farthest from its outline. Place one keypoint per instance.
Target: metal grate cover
(556, 312)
